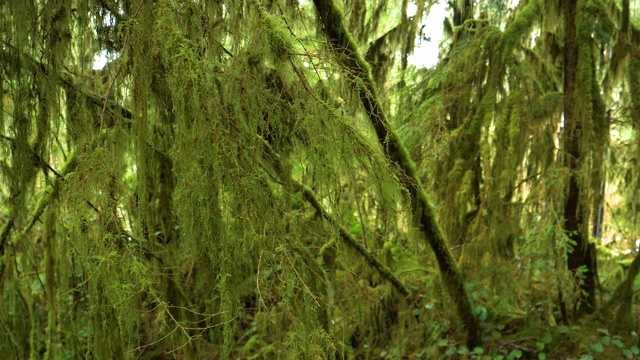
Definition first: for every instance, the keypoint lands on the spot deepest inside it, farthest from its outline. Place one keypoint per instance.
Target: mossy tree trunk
(581, 256)
(347, 52)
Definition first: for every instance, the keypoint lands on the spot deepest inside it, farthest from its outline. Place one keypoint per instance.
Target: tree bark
(358, 69)
(582, 255)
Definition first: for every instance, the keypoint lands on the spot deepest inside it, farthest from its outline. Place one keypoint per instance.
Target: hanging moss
(333, 26)
(520, 27)
(217, 190)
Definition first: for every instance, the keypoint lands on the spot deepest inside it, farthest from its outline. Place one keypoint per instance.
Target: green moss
(240, 190)
(519, 28)
(280, 40)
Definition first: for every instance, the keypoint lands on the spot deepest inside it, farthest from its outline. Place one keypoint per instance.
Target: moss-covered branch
(42, 204)
(311, 198)
(66, 77)
(520, 27)
(358, 69)
(51, 193)
(384, 272)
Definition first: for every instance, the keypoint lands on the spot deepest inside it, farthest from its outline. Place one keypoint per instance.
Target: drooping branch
(52, 192)
(11, 54)
(312, 199)
(520, 26)
(358, 69)
(112, 108)
(384, 271)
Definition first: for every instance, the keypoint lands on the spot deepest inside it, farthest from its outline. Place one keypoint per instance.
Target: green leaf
(516, 354)
(597, 347)
(617, 343)
(480, 312)
(463, 350)
(470, 286)
(634, 349)
(547, 339)
(356, 229)
(450, 351)
(478, 350)
(627, 353)
(542, 356)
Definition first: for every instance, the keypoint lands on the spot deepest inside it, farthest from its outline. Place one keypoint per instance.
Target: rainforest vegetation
(282, 179)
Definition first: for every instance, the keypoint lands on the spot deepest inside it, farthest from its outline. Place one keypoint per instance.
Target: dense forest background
(273, 179)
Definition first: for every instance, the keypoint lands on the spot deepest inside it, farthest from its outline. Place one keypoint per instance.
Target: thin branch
(345, 235)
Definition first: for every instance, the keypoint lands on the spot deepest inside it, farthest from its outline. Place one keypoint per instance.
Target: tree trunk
(582, 255)
(358, 69)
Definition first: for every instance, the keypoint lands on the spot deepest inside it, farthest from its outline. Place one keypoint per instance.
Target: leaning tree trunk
(358, 69)
(582, 255)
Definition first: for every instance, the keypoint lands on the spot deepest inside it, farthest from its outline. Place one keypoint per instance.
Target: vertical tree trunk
(582, 255)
